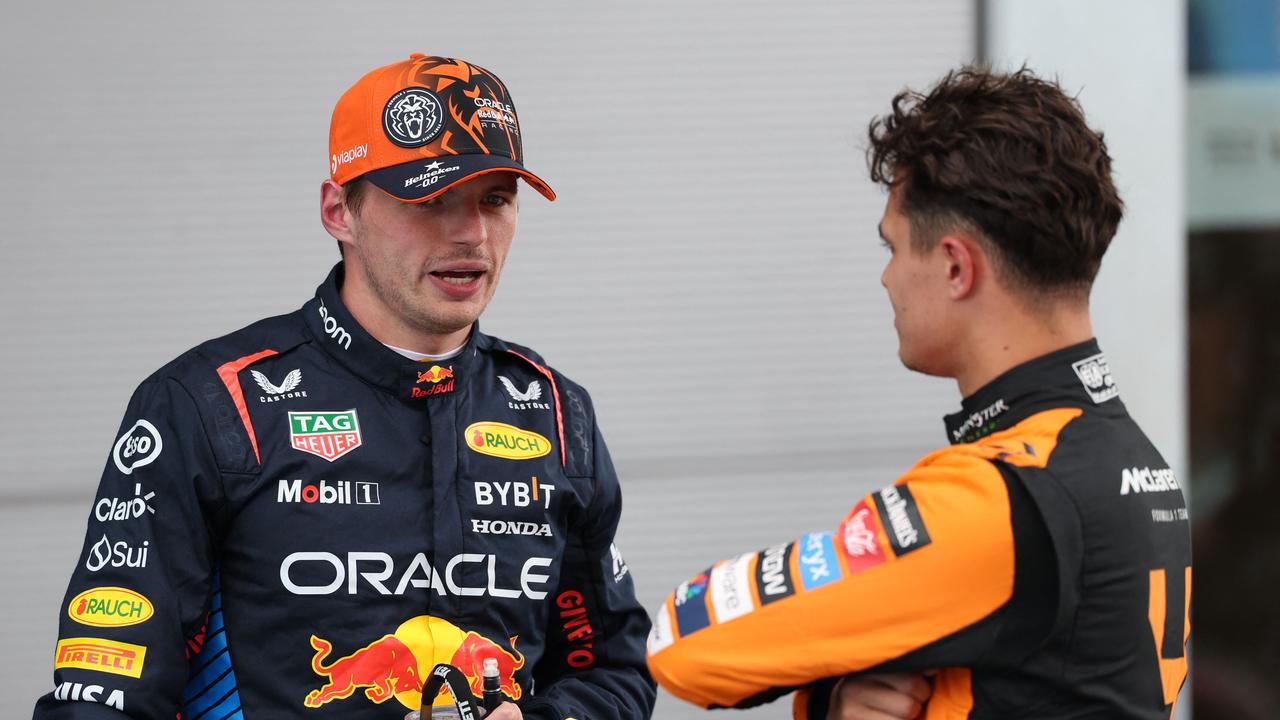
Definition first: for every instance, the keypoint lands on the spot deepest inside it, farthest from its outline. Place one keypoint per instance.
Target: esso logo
(139, 446)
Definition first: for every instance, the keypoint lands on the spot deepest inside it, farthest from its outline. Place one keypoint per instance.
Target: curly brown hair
(1011, 157)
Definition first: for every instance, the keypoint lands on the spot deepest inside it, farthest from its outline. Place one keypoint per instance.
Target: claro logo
(333, 329)
(505, 441)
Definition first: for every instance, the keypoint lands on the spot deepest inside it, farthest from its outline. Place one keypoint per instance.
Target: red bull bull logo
(395, 665)
(435, 375)
(384, 667)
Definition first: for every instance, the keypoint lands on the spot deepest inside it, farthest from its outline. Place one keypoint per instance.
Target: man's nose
(470, 226)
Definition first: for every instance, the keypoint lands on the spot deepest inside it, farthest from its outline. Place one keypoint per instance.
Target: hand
(506, 711)
(879, 696)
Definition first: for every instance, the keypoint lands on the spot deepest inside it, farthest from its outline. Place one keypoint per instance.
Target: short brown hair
(353, 194)
(1007, 155)
(353, 197)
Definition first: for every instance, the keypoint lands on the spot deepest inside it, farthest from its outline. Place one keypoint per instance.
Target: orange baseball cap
(417, 127)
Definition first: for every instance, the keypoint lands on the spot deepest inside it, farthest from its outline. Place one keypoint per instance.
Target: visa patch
(859, 539)
(691, 604)
(818, 562)
(906, 529)
(773, 574)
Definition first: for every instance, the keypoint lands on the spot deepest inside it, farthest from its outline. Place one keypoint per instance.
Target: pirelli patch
(906, 529)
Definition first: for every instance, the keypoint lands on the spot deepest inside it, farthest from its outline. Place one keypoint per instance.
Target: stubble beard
(395, 284)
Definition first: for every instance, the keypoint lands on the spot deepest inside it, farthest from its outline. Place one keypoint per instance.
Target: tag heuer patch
(328, 434)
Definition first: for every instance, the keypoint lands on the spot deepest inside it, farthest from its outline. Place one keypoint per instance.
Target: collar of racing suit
(364, 356)
(1075, 376)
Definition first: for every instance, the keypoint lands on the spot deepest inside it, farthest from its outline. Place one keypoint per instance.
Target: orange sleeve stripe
(952, 697)
(230, 374)
(890, 607)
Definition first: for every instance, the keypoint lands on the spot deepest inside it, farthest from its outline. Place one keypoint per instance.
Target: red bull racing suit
(1042, 563)
(296, 521)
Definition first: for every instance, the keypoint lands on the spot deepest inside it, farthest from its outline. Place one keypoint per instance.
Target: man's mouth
(459, 277)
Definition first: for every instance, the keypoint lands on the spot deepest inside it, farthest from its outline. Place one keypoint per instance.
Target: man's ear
(333, 211)
(965, 264)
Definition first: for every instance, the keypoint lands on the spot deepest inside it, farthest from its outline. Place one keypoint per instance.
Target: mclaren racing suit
(297, 522)
(1041, 562)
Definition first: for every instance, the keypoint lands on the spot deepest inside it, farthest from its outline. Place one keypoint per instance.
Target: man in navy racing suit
(302, 518)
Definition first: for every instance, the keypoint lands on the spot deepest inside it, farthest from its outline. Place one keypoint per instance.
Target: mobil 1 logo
(773, 574)
(341, 492)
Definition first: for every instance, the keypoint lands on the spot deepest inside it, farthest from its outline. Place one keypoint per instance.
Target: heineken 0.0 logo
(329, 434)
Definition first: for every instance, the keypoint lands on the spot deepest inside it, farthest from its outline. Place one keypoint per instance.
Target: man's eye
(497, 199)
(885, 244)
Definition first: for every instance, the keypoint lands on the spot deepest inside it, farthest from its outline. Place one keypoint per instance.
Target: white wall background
(1127, 61)
(710, 271)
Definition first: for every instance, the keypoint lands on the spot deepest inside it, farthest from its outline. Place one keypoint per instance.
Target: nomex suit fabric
(1041, 563)
(312, 522)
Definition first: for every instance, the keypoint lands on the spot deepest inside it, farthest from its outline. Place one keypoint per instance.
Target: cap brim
(421, 180)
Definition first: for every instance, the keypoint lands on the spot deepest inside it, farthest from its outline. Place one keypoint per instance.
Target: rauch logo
(505, 441)
(110, 607)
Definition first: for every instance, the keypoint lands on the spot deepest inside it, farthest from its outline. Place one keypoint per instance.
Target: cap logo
(413, 117)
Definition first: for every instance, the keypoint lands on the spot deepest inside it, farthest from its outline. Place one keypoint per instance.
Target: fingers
(913, 684)
(506, 711)
(879, 697)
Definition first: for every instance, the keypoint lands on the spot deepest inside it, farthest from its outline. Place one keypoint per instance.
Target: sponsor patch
(906, 530)
(660, 635)
(527, 399)
(731, 588)
(1095, 375)
(1145, 480)
(351, 154)
(620, 568)
(110, 607)
(287, 389)
(412, 117)
(431, 382)
(342, 492)
(859, 540)
(335, 331)
(82, 692)
(435, 375)
(818, 563)
(773, 574)
(514, 493)
(328, 434)
(119, 554)
(109, 656)
(120, 509)
(691, 604)
(980, 423)
(505, 441)
(139, 446)
(324, 573)
(393, 668)
(575, 624)
(510, 527)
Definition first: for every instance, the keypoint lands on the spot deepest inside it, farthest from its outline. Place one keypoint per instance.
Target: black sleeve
(141, 586)
(1014, 631)
(594, 666)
